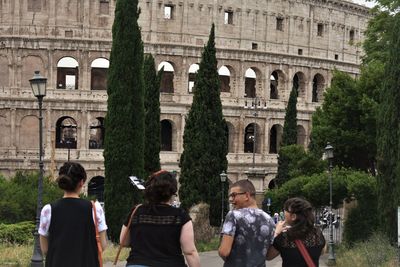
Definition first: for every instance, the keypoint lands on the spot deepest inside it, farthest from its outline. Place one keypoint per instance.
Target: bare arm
(188, 247)
(44, 244)
(226, 246)
(272, 253)
(127, 241)
(103, 239)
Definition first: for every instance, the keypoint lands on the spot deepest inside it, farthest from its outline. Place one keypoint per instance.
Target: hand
(281, 227)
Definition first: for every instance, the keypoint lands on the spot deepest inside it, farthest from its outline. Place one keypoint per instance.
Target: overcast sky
(363, 2)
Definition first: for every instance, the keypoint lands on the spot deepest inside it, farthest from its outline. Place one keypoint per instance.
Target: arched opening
(96, 134)
(96, 188)
(167, 80)
(250, 83)
(299, 84)
(275, 137)
(67, 73)
(192, 76)
(276, 83)
(301, 135)
(272, 184)
(318, 87)
(98, 79)
(166, 135)
(66, 133)
(249, 137)
(225, 79)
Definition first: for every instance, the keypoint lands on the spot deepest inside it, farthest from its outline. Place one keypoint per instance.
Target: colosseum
(264, 48)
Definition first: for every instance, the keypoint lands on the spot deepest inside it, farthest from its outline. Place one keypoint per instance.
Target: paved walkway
(211, 259)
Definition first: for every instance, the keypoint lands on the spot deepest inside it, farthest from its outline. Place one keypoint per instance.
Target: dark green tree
(124, 141)
(152, 113)
(344, 120)
(289, 137)
(204, 140)
(388, 133)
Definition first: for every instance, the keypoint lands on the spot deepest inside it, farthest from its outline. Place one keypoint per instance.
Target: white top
(45, 219)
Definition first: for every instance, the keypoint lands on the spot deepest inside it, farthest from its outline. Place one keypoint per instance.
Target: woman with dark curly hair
(159, 233)
(298, 225)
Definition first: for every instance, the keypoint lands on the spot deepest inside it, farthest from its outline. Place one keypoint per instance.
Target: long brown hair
(304, 223)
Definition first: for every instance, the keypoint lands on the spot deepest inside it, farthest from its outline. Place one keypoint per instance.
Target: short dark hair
(160, 187)
(70, 174)
(304, 222)
(246, 186)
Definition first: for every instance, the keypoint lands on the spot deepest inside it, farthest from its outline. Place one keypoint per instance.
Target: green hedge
(18, 196)
(18, 233)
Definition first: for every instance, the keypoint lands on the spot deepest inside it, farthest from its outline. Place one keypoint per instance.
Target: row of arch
(66, 135)
(252, 81)
(68, 78)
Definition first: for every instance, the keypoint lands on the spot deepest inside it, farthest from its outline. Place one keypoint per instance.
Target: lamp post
(223, 177)
(38, 84)
(329, 156)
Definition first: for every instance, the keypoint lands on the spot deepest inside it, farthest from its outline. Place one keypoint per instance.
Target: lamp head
(38, 84)
(223, 176)
(329, 151)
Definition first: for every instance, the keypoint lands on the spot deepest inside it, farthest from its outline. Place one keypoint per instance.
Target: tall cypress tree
(289, 137)
(123, 144)
(152, 119)
(204, 140)
(388, 139)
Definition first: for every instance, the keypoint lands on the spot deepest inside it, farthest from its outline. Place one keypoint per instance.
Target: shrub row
(18, 233)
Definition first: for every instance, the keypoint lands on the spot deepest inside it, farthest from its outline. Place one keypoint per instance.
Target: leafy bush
(18, 233)
(377, 251)
(18, 196)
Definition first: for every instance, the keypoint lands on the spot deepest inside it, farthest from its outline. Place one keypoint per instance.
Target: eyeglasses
(234, 194)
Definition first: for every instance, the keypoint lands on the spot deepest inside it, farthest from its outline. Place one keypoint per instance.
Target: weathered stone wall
(314, 38)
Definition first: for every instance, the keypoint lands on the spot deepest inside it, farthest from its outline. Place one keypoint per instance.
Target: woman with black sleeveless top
(67, 230)
(160, 233)
(298, 225)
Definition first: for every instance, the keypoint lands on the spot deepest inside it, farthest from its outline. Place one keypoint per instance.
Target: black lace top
(291, 256)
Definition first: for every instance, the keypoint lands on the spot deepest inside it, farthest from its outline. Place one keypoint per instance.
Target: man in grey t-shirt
(248, 231)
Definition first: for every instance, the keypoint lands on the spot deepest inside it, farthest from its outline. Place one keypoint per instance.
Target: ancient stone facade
(264, 48)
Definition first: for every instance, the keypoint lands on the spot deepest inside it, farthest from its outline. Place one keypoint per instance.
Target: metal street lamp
(38, 84)
(223, 177)
(329, 156)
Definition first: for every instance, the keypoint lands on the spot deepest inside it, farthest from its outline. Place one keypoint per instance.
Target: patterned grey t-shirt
(253, 232)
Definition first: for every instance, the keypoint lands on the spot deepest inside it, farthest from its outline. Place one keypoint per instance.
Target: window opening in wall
(279, 24)
(301, 135)
(67, 73)
(66, 133)
(273, 85)
(254, 46)
(168, 12)
(34, 5)
(224, 78)
(167, 80)
(318, 87)
(275, 137)
(300, 52)
(98, 75)
(104, 7)
(192, 77)
(68, 34)
(166, 136)
(250, 83)
(320, 29)
(336, 57)
(96, 134)
(96, 188)
(228, 17)
(351, 36)
(249, 138)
